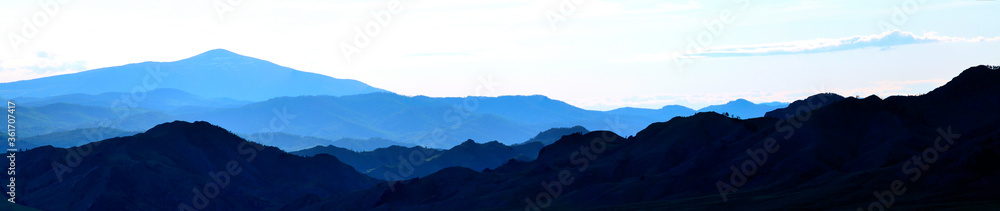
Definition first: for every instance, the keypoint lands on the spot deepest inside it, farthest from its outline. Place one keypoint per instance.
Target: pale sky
(593, 54)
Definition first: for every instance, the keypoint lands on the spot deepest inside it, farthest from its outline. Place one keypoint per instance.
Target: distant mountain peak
(216, 53)
(740, 101)
(469, 142)
(743, 108)
(213, 74)
(672, 107)
(223, 57)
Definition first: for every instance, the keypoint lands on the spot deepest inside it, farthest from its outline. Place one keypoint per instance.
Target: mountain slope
(214, 74)
(384, 115)
(812, 102)
(174, 165)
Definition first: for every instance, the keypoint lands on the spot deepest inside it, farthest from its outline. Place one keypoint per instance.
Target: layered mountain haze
(72, 138)
(318, 106)
(60, 117)
(164, 99)
(501, 105)
(411, 120)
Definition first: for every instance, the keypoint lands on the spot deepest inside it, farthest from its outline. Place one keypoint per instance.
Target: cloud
(43, 64)
(885, 40)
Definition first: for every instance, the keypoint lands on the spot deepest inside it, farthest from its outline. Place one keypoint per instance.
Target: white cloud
(42, 64)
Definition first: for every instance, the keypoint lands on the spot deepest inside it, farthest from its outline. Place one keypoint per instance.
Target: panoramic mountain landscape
(501, 105)
(793, 157)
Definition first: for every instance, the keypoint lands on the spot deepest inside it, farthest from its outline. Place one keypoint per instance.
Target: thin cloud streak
(885, 40)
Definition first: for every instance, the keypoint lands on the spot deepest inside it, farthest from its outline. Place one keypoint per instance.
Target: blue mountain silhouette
(214, 74)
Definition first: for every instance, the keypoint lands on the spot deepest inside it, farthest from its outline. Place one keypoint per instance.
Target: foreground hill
(176, 165)
(214, 74)
(935, 151)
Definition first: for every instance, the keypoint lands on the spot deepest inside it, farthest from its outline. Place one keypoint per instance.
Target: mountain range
(939, 150)
(935, 151)
(139, 96)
